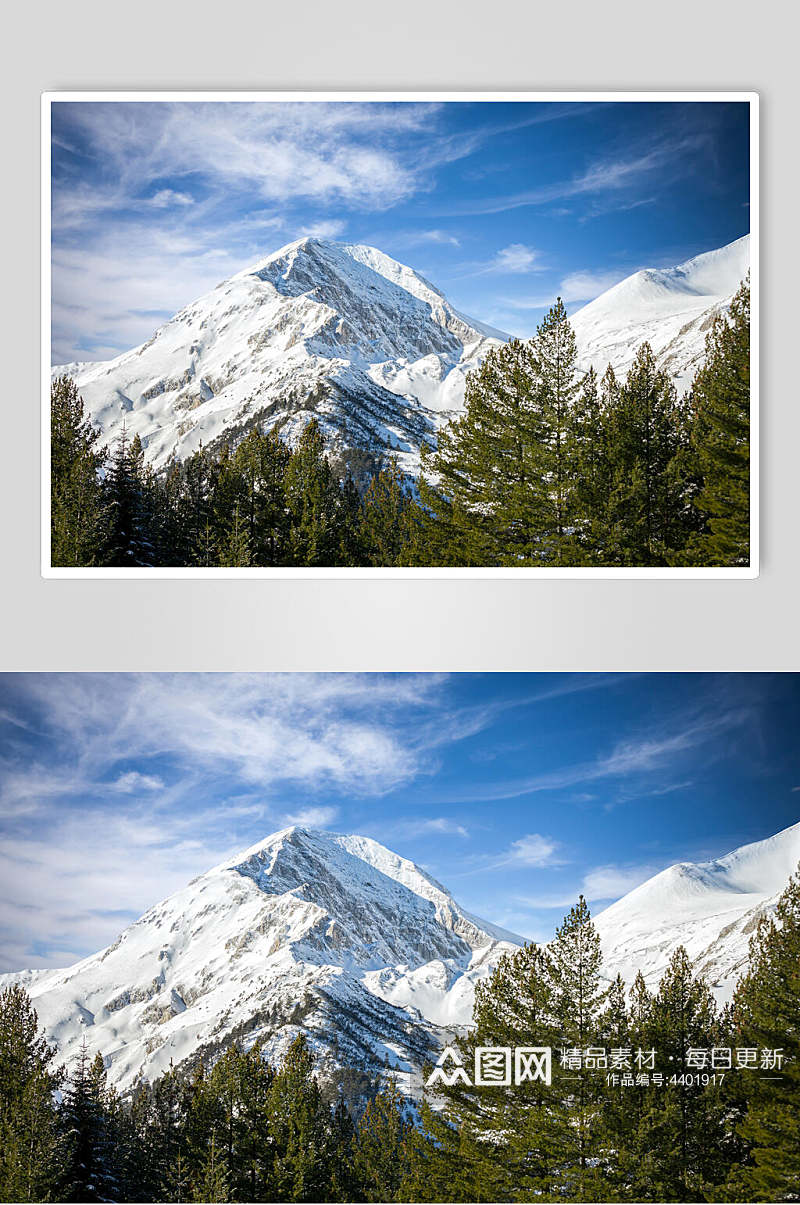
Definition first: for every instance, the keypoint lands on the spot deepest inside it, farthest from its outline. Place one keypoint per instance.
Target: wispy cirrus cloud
(633, 756)
(610, 175)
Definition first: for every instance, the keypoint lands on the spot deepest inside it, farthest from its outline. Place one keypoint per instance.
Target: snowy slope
(331, 329)
(670, 308)
(711, 908)
(334, 934)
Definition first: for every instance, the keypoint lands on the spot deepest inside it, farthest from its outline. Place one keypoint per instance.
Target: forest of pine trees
(240, 1129)
(543, 468)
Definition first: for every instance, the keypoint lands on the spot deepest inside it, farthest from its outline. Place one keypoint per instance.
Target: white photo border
(298, 572)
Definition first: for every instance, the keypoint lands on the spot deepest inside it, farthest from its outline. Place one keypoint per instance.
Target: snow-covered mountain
(366, 344)
(333, 934)
(671, 308)
(334, 330)
(711, 908)
(363, 951)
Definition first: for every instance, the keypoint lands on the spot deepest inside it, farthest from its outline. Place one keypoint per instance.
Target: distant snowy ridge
(711, 908)
(371, 348)
(670, 308)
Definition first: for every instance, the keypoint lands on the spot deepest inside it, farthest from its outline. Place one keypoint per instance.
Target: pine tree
(556, 355)
(388, 518)
(235, 551)
(90, 1170)
(767, 1017)
(311, 495)
(590, 467)
(719, 450)
(496, 1143)
(620, 1111)
(29, 1146)
(344, 1182)
(211, 1182)
(196, 523)
(352, 550)
(300, 1128)
(483, 496)
(162, 1110)
(254, 481)
(78, 517)
(252, 1173)
(127, 491)
(381, 1148)
(682, 1147)
(578, 998)
(645, 504)
(499, 488)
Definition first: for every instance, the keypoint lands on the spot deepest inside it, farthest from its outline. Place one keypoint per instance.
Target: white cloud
(75, 867)
(433, 236)
(168, 196)
(278, 151)
(330, 229)
(585, 286)
(611, 882)
(133, 781)
(416, 827)
(515, 258)
(313, 817)
(533, 850)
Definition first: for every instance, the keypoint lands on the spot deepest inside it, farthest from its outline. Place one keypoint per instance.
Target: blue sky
(502, 205)
(516, 791)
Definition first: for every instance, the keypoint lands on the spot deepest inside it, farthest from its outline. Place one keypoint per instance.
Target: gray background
(410, 624)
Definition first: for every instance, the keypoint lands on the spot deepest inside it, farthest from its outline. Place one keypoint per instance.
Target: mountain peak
(329, 932)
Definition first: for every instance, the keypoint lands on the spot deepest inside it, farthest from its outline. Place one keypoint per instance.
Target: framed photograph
(400, 334)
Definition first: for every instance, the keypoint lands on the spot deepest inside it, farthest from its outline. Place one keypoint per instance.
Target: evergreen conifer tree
(311, 495)
(590, 468)
(211, 1182)
(29, 1144)
(90, 1166)
(497, 1143)
(682, 1146)
(719, 452)
(78, 516)
(388, 518)
(645, 505)
(484, 497)
(129, 539)
(499, 488)
(767, 1017)
(382, 1147)
(575, 961)
(300, 1128)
